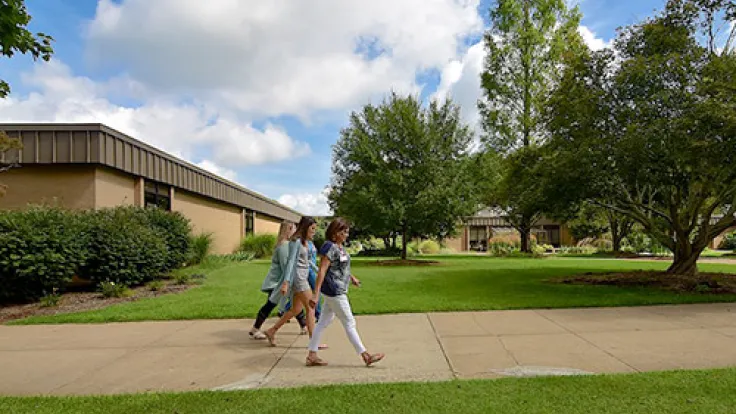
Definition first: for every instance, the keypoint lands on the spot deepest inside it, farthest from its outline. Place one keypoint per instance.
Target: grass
(457, 284)
(705, 392)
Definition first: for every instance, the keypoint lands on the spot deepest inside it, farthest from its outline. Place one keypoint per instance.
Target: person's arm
(354, 280)
(290, 265)
(324, 264)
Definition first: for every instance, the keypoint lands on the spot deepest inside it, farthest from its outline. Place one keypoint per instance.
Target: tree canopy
(649, 129)
(402, 167)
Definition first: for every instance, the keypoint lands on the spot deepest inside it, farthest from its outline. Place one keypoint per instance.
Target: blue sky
(259, 91)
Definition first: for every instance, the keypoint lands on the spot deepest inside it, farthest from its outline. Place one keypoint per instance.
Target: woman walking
(279, 261)
(313, 270)
(333, 281)
(294, 281)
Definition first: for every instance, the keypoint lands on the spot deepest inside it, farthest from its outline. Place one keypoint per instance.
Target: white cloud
(314, 204)
(594, 42)
(460, 78)
(217, 170)
(175, 127)
(280, 56)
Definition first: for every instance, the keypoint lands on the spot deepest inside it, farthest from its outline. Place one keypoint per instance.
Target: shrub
(111, 289)
(200, 247)
(41, 248)
(576, 250)
(122, 248)
(50, 301)
(261, 245)
(156, 285)
(729, 242)
(176, 232)
(429, 247)
(182, 278)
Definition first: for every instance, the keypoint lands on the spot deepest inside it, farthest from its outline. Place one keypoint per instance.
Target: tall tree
(401, 166)
(15, 37)
(650, 131)
(526, 45)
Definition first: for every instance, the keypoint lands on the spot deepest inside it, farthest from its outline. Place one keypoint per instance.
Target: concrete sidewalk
(205, 355)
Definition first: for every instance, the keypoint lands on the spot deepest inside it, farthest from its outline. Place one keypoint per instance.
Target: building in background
(85, 166)
(488, 223)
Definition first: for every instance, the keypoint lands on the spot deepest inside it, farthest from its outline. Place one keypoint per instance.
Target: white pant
(337, 306)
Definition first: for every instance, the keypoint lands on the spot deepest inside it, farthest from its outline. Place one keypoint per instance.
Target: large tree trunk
(686, 259)
(617, 242)
(525, 232)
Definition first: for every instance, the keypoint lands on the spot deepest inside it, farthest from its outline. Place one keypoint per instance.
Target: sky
(257, 91)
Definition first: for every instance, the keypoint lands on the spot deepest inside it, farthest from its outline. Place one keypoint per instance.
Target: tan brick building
(86, 166)
(487, 223)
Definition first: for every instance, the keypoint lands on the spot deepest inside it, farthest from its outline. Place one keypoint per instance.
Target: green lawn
(706, 392)
(457, 284)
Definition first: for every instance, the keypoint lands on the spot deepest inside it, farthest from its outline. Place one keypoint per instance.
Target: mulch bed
(84, 301)
(705, 283)
(407, 262)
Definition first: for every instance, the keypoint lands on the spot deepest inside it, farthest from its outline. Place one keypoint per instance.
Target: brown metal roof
(52, 143)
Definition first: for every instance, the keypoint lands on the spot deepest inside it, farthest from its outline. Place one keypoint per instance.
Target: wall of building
(114, 188)
(223, 220)
(264, 224)
(71, 186)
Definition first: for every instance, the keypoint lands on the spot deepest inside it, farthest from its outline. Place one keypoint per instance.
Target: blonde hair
(285, 231)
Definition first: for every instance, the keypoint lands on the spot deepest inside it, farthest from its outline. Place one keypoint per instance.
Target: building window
(249, 219)
(158, 195)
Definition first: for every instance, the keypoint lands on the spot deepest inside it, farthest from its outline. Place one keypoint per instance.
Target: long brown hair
(302, 228)
(336, 226)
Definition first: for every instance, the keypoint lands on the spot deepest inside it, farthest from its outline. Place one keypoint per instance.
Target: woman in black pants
(278, 265)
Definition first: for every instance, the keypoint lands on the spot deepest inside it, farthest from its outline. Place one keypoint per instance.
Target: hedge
(260, 245)
(42, 247)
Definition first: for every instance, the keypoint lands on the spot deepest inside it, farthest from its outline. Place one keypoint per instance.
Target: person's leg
(341, 306)
(304, 298)
(324, 321)
(263, 314)
(302, 319)
(271, 332)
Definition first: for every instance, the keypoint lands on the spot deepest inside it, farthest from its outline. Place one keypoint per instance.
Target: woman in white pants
(333, 281)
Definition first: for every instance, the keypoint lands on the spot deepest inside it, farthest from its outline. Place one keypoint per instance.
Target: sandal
(372, 359)
(316, 362)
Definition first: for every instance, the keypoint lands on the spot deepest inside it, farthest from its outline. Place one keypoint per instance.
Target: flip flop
(316, 362)
(373, 358)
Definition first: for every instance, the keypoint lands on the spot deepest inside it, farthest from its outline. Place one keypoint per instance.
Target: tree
(405, 168)
(15, 37)
(650, 132)
(593, 220)
(526, 45)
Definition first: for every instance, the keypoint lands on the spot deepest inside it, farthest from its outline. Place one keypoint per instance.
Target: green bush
(176, 232)
(729, 242)
(576, 250)
(429, 247)
(261, 245)
(122, 248)
(41, 249)
(111, 289)
(200, 247)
